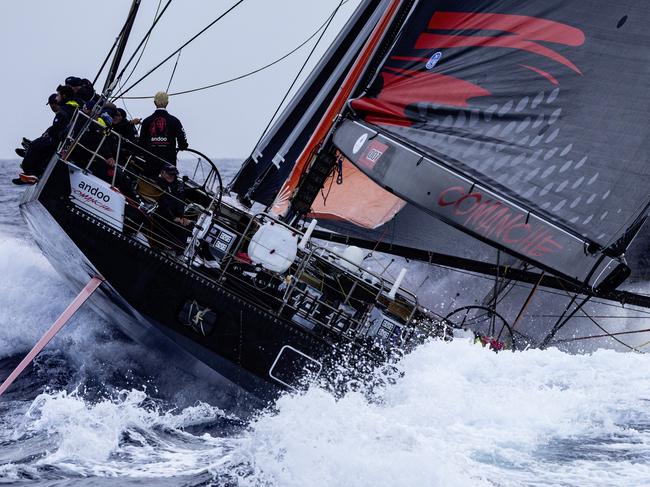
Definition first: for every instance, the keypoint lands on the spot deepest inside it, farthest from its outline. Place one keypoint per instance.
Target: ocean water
(98, 409)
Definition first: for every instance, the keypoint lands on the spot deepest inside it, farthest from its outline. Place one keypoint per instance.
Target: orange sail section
(281, 203)
(358, 200)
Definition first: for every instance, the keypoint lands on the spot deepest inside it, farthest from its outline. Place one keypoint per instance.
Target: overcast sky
(43, 41)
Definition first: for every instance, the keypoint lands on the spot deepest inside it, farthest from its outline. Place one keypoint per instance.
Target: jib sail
(268, 166)
(523, 124)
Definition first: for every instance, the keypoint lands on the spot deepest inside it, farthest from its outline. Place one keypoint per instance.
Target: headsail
(521, 123)
(268, 166)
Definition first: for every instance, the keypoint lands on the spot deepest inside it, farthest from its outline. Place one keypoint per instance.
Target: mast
(124, 37)
(336, 106)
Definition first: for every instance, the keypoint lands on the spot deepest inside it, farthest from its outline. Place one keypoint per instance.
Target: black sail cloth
(531, 110)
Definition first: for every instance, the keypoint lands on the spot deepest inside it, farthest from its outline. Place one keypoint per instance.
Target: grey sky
(42, 42)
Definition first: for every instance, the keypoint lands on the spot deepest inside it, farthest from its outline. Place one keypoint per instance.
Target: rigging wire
(202, 31)
(144, 43)
(609, 334)
(605, 335)
(108, 56)
(599, 326)
(245, 75)
(325, 25)
(304, 65)
(110, 52)
(144, 40)
(173, 72)
(594, 300)
(566, 293)
(603, 317)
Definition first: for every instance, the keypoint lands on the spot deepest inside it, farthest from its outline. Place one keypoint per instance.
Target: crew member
(97, 143)
(160, 135)
(42, 149)
(53, 102)
(125, 127)
(83, 88)
(171, 227)
(54, 106)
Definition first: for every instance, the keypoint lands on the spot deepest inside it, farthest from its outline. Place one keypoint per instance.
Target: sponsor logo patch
(97, 197)
(431, 63)
(371, 155)
(359, 143)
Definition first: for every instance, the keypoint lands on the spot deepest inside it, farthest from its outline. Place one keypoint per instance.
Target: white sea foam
(30, 288)
(456, 415)
(122, 436)
(463, 416)
(459, 415)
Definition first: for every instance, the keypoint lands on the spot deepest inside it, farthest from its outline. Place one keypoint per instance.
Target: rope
(262, 177)
(173, 71)
(245, 75)
(202, 31)
(304, 64)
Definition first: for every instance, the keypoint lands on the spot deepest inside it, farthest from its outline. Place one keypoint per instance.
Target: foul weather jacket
(160, 134)
(61, 122)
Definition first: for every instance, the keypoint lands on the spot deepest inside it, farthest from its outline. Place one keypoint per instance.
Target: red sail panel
(534, 105)
(539, 100)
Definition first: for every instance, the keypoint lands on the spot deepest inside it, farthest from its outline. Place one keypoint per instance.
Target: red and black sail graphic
(158, 132)
(409, 79)
(540, 105)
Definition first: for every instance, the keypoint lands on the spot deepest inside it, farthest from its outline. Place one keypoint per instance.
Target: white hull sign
(96, 197)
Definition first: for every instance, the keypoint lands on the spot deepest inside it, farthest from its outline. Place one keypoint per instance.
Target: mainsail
(520, 123)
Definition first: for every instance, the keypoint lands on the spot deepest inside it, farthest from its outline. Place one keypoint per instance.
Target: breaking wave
(97, 409)
(454, 414)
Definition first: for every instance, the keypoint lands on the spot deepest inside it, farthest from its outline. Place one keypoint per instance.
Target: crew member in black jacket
(170, 225)
(40, 150)
(83, 88)
(160, 134)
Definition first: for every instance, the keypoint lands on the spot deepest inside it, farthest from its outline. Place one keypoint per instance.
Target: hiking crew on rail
(160, 137)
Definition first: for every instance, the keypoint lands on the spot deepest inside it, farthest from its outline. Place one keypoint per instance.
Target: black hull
(145, 291)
